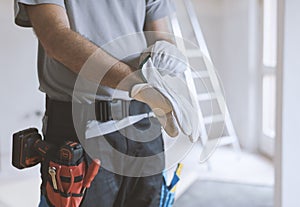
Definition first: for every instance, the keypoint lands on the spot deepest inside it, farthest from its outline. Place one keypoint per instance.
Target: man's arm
(159, 30)
(51, 25)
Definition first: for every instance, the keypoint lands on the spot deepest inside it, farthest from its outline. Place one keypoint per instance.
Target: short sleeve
(21, 17)
(157, 9)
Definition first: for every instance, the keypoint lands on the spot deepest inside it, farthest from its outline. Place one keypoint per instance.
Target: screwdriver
(90, 175)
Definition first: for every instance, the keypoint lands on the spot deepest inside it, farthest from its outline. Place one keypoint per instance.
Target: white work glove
(184, 111)
(166, 57)
(172, 110)
(159, 104)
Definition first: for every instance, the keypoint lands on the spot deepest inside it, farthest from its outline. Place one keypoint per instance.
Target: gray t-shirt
(110, 24)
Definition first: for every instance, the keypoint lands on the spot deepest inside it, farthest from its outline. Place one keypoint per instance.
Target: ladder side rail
(188, 75)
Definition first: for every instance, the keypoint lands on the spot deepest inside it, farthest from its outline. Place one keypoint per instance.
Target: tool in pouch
(68, 174)
(168, 191)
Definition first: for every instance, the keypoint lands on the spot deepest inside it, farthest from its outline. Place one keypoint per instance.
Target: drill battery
(23, 153)
(70, 153)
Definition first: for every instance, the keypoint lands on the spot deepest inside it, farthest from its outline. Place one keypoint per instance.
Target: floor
(224, 165)
(226, 194)
(227, 165)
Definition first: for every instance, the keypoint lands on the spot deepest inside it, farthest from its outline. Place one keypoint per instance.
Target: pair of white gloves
(173, 110)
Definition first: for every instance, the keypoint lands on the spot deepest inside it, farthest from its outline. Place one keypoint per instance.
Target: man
(72, 36)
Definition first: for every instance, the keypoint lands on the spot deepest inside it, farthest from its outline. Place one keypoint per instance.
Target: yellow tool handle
(179, 169)
(178, 173)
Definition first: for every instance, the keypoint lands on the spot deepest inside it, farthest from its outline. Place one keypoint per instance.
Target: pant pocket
(43, 201)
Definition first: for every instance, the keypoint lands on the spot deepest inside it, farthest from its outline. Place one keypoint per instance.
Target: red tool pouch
(64, 186)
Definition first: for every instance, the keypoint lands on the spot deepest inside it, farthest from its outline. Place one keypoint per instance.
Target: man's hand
(166, 58)
(159, 104)
(158, 93)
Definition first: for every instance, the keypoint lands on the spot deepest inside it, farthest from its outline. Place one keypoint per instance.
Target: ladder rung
(190, 53)
(213, 119)
(206, 96)
(226, 140)
(200, 74)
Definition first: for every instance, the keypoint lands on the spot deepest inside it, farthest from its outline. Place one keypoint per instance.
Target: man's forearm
(73, 50)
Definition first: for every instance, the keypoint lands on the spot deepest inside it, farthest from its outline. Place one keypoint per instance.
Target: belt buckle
(119, 109)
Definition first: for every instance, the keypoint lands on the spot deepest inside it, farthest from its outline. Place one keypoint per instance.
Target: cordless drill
(29, 149)
(66, 163)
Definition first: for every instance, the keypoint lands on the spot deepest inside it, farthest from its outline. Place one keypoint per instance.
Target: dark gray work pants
(108, 188)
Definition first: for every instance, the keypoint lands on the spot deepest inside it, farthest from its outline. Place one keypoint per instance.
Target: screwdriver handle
(91, 173)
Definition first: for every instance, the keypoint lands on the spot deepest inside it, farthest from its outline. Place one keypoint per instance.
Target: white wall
(231, 29)
(20, 98)
(288, 141)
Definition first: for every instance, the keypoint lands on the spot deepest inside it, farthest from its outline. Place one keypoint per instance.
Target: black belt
(100, 110)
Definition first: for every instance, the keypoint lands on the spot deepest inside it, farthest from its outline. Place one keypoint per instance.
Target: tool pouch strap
(67, 191)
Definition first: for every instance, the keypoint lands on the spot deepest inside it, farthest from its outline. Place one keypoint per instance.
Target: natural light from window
(269, 67)
(270, 33)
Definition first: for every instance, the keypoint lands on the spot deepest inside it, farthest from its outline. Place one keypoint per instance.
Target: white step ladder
(203, 82)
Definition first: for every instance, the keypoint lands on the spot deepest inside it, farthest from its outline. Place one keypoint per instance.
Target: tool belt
(66, 175)
(64, 187)
(69, 176)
